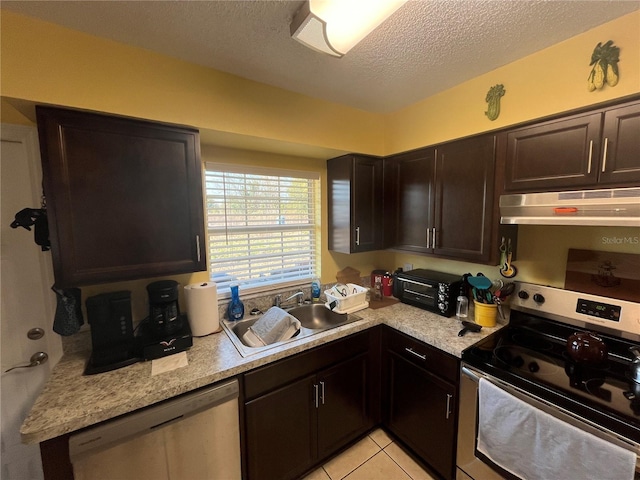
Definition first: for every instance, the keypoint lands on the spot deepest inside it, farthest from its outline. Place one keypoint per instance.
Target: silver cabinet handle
(357, 235)
(198, 246)
(322, 393)
(428, 238)
(449, 398)
(604, 154)
(414, 353)
(433, 244)
(36, 359)
(590, 155)
(315, 395)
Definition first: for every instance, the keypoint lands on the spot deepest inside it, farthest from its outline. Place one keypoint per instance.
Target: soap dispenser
(315, 290)
(235, 311)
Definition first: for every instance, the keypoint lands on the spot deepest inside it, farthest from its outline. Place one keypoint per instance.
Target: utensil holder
(485, 314)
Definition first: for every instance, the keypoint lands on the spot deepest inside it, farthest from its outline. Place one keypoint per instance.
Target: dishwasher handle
(149, 419)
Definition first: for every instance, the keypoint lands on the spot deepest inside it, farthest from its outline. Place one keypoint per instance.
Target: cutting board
(349, 275)
(384, 302)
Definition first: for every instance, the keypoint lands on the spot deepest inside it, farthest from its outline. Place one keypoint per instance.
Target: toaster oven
(429, 290)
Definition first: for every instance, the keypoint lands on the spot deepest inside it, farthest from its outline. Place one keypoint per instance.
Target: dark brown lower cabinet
(421, 402)
(280, 428)
(302, 409)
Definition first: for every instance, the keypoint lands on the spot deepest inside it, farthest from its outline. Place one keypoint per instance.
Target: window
(263, 226)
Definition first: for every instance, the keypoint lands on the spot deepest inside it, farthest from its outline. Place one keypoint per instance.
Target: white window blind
(263, 226)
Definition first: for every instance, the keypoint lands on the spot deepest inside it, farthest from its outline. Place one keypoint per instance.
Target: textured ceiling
(426, 47)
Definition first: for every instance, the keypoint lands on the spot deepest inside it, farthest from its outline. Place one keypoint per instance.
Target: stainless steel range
(558, 377)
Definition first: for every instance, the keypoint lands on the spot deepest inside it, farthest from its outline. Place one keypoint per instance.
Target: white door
(26, 301)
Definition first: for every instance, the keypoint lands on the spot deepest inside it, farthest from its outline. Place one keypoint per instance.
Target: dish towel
(534, 445)
(275, 325)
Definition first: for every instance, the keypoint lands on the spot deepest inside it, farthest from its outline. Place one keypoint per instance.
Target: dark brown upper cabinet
(440, 200)
(354, 184)
(408, 199)
(594, 150)
(124, 197)
(620, 160)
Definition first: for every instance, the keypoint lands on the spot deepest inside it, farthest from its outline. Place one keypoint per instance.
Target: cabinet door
(555, 155)
(280, 432)
(409, 192)
(354, 186)
(464, 183)
(366, 204)
(620, 160)
(422, 413)
(124, 197)
(342, 404)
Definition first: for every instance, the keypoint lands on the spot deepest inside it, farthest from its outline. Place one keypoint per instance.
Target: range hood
(608, 207)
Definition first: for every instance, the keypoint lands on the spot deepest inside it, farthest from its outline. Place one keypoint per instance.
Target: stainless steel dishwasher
(194, 437)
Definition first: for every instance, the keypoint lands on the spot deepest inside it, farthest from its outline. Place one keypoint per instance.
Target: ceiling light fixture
(335, 26)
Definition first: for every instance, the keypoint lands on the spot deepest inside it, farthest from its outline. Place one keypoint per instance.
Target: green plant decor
(493, 99)
(605, 66)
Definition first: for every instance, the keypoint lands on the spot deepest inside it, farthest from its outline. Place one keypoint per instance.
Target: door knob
(36, 359)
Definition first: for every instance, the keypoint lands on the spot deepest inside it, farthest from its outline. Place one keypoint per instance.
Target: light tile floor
(375, 457)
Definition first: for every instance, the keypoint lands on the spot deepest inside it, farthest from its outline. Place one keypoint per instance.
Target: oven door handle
(550, 408)
(422, 284)
(470, 373)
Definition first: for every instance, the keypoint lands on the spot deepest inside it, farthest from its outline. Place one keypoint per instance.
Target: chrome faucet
(278, 302)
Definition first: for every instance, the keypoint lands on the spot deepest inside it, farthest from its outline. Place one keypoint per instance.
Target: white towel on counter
(534, 445)
(275, 325)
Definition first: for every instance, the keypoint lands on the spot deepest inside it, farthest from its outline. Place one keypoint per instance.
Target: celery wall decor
(493, 99)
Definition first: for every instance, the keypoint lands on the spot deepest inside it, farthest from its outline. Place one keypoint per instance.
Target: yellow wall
(42, 62)
(550, 81)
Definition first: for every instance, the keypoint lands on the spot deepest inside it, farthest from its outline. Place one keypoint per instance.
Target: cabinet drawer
(423, 355)
(264, 379)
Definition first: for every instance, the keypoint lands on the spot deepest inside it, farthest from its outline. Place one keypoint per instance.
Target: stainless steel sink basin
(318, 317)
(314, 318)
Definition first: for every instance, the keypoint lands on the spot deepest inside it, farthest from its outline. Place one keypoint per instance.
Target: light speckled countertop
(71, 401)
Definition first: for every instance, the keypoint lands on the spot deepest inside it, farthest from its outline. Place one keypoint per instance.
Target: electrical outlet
(407, 267)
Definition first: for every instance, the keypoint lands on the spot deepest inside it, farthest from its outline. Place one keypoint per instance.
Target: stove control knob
(538, 298)
(523, 294)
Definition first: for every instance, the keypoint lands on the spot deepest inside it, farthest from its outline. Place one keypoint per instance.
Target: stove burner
(588, 378)
(532, 362)
(531, 341)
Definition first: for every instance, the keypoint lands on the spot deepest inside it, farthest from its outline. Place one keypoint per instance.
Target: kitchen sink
(314, 318)
(318, 317)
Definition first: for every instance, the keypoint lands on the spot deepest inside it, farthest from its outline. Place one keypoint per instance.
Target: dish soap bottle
(315, 290)
(235, 311)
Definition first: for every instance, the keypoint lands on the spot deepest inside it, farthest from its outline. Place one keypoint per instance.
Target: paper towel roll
(202, 308)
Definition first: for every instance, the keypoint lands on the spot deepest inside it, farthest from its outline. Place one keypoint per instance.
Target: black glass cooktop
(531, 354)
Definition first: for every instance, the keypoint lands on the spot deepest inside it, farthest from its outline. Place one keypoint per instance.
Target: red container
(387, 284)
(377, 274)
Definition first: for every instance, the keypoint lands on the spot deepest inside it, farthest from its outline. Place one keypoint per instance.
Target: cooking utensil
(506, 269)
(469, 326)
(480, 282)
(587, 347)
(498, 302)
(505, 291)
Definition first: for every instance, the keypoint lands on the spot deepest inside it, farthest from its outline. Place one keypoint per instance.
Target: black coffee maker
(165, 331)
(164, 311)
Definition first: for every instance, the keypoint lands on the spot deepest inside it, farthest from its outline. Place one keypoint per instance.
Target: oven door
(419, 294)
(472, 464)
